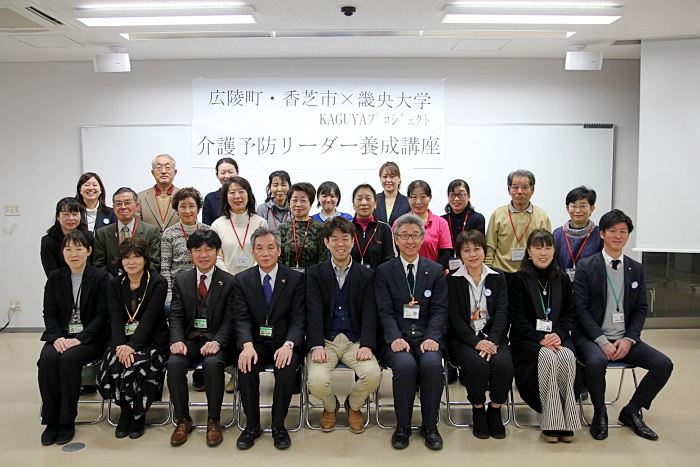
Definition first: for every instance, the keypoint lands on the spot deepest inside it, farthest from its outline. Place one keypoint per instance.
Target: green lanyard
(412, 292)
(617, 299)
(547, 310)
(477, 304)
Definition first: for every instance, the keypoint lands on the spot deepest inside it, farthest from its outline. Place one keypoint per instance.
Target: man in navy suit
(611, 307)
(270, 319)
(412, 302)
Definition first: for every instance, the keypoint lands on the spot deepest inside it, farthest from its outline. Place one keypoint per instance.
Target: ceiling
(641, 19)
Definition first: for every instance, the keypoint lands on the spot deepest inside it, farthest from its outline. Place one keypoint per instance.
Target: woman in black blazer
(75, 316)
(541, 314)
(390, 203)
(374, 243)
(67, 219)
(133, 368)
(90, 192)
(477, 336)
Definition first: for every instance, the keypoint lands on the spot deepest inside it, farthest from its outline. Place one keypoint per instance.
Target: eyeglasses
(422, 198)
(160, 168)
(515, 188)
(457, 195)
(405, 236)
(126, 204)
(299, 200)
(582, 207)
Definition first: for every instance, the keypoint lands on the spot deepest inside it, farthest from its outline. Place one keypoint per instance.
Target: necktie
(267, 289)
(615, 264)
(410, 278)
(125, 233)
(202, 287)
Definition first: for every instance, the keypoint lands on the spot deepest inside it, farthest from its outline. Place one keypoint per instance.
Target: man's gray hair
(125, 189)
(521, 173)
(153, 162)
(265, 230)
(408, 219)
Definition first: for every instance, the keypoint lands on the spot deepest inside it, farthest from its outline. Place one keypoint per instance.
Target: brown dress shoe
(179, 436)
(328, 418)
(214, 435)
(355, 420)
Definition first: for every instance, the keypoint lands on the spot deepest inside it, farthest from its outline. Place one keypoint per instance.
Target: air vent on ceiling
(43, 15)
(29, 16)
(628, 42)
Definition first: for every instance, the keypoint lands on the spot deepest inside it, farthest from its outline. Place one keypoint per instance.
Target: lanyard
(412, 292)
(242, 244)
(360, 250)
(617, 299)
(132, 317)
(297, 252)
(547, 310)
(580, 249)
(183, 230)
(133, 232)
(513, 225)
(274, 219)
(452, 235)
(481, 295)
(76, 302)
(162, 217)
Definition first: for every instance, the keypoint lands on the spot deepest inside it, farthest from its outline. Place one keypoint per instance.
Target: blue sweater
(592, 246)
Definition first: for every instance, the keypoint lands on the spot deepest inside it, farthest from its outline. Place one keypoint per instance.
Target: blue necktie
(267, 289)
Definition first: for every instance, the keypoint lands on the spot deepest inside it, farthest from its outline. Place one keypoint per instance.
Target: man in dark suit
(270, 318)
(411, 293)
(341, 316)
(201, 329)
(611, 307)
(108, 238)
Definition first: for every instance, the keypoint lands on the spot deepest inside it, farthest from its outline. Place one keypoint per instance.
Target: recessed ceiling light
(347, 33)
(478, 14)
(143, 36)
(165, 16)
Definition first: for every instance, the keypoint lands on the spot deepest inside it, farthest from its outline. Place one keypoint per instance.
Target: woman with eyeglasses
(302, 236)
(69, 215)
(225, 169)
(461, 217)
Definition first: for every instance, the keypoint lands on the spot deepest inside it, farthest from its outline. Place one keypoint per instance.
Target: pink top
(437, 236)
(364, 222)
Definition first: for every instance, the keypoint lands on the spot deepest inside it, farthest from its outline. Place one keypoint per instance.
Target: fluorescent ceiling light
(165, 16)
(346, 33)
(530, 15)
(142, 36)
(502, 34)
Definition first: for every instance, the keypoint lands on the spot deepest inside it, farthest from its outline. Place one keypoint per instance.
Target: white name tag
(618, 317)
(300, 269)
(411, 311)
(242, 261)
(479, 324)
(455, 263)
(571, 272)
(517, 254)
(544, 325)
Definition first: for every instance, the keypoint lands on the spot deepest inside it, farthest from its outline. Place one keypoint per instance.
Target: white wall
(44, 104)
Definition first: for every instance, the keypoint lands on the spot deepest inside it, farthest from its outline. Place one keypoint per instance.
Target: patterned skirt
(139, 385)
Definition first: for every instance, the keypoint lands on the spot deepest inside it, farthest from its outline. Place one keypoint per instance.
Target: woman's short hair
(540, 237)
(101, 198)
(419, 184)
(224, 208)
(187, 192)
(454, 184)
(282, 175)
(581, 192)
(68, 204)
(361, 186)
(304, 187)
(326, 188)
(77, 238)
(137, 246)
(470, 236)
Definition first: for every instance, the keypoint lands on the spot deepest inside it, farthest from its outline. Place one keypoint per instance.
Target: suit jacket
(460, 310)
(210, 210)
(52, 253)
(391, 291)
(287, 310)
(320, 302)
(153, 325)
(401, 207)
(183, 307)
(149, 213)
(107, 246)
(102, 219)
(591, 297)
(58, 305)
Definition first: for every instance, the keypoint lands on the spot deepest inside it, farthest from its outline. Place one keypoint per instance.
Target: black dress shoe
(433, 440)
(247, 439)
(399, 440)
(599, 426)
(48, 437)
(137, 428)
(635, 421)
(122, 430)
(480, 423)
(496, 428)
(281, 438)
(65, 434)
(89, 389)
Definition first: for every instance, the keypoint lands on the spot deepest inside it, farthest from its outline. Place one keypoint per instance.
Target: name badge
(411, 311)
(130, 328)
(366, 265)
(618, 318)
(200, 323)
(479, 324)
(266, 331)
(75, 328)
(455, 263)
(242, 261)
(300, 269)
(517, 254)
(571, 272)
(544, 325)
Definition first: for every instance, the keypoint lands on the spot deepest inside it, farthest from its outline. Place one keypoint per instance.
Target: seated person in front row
(342, 325)
(411, 293)
(201, 329)
(270, 318)
(611, 306)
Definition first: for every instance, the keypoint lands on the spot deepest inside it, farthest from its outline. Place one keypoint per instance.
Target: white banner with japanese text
(311, 123)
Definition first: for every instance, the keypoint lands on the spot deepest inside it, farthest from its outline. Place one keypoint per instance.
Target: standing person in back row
(155, 203)
(511, 225)
(390, 203)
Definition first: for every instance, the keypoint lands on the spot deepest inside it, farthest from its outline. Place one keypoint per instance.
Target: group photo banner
(314, 123)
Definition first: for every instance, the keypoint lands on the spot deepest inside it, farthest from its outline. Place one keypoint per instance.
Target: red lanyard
(242, 244)
(162, 217)
(183, 230)
(136, 226)
(452, 236)
(513, 225)
(360, 250)
(274, 219)
(566, 236)
(294, 228)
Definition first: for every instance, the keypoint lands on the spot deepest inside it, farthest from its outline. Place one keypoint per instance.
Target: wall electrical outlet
(16, 305)
(12, 210)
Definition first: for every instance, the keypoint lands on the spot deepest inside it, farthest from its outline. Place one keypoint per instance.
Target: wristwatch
(289, 344)
(217, 343)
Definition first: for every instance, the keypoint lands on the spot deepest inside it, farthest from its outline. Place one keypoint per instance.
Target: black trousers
(60, 377)
(213, 367)
(479, 374)
(284, 386)
(416, 368)
(641, 355)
